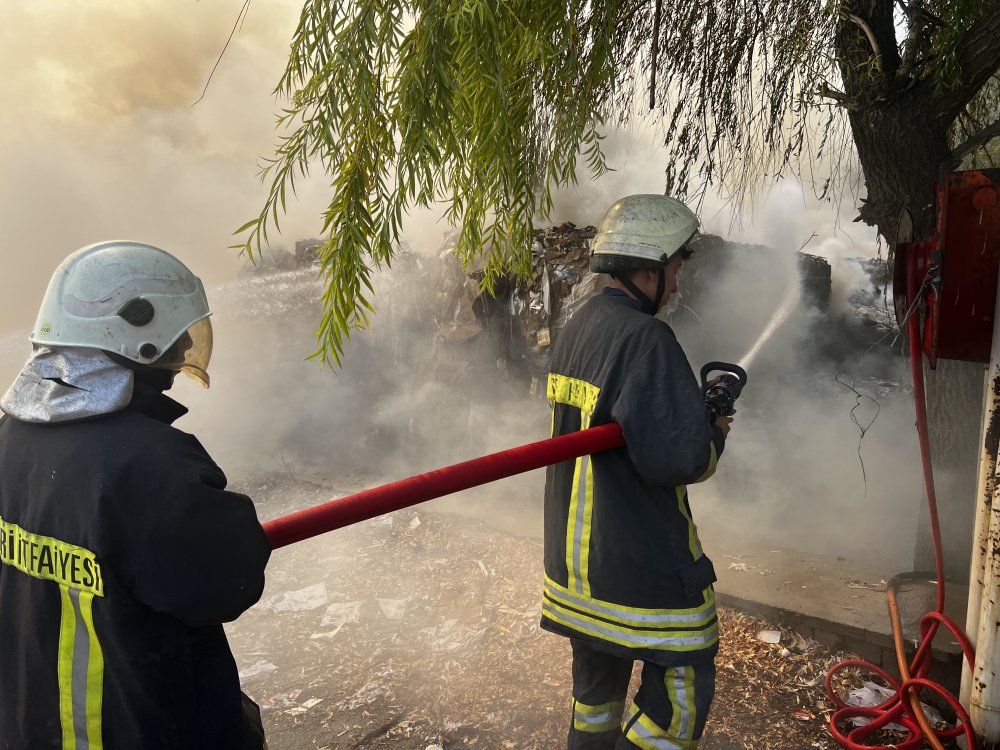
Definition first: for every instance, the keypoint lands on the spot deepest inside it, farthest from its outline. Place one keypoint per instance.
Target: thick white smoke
(100, 140)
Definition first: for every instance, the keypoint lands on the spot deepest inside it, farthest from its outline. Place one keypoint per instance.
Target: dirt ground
(420, 630)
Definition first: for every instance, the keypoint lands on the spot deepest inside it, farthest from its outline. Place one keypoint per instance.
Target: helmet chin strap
(647, 305)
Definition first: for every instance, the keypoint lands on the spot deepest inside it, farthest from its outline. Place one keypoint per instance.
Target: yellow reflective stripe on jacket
(694, 544)
(681, 640)
(713, 462)
(601, 718)
(81, 672)
(579, 522)
(50, 559)
(95, 676)
(80, 660)
(586, 528)
(643, 732)
(581, 395)
(67, 636)
(661, 640)
(635, 617)
(572, 392)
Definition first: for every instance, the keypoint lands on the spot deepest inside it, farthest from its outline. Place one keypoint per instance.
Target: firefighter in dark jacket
(121, 552)
(625, 575)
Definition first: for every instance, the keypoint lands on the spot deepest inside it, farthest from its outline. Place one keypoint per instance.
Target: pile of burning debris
(514, 328)
(521, 319)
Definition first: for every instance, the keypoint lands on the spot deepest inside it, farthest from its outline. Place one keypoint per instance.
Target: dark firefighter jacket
(623, 564)
(121, 554)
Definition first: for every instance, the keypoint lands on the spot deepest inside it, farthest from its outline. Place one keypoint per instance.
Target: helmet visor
(191, 353)
(688, 248)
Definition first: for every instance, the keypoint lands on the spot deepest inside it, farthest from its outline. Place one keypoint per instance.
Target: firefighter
(121, 552)
(625, 575)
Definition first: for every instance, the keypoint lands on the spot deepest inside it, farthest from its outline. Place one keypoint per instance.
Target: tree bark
(900, 156)
(900, 145)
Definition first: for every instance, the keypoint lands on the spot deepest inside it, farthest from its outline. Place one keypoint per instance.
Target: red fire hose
(374, 502)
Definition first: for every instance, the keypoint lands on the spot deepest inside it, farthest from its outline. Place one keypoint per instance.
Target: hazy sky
(99, 139)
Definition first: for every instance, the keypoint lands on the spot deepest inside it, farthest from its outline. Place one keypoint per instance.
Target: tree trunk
(900, 155)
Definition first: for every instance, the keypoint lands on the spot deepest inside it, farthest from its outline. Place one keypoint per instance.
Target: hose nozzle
(720, 398)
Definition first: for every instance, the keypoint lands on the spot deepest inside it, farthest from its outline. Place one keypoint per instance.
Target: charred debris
(514, 328)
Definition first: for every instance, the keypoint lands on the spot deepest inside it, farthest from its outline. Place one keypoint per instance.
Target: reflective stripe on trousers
(668, 712)
(671, 707)
(643, 732)
(600, 684)
(600, 718)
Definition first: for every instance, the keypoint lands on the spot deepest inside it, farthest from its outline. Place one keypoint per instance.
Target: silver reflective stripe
(680, 703)
(81, 672)
(700, 615)
(641, 735)
(581, 515)
(609, 632)
(598, 718)
(595, 718)
(81, 658)
(114, 301)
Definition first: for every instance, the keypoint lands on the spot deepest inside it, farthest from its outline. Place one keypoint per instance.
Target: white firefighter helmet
(131, 299)
(641, 232)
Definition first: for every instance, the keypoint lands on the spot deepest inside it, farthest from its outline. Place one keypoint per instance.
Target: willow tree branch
(979, 59)
(915, 17)
(975, 141)
(863, 25)
(828, 92)
(655, 53)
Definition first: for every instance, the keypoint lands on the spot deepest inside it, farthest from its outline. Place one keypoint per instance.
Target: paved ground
(838, 602)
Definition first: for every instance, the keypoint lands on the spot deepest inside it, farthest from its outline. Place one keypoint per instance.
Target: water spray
(779, 317)
(722, 392)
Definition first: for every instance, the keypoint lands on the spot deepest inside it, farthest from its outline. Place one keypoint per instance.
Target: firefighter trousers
(667, 713)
